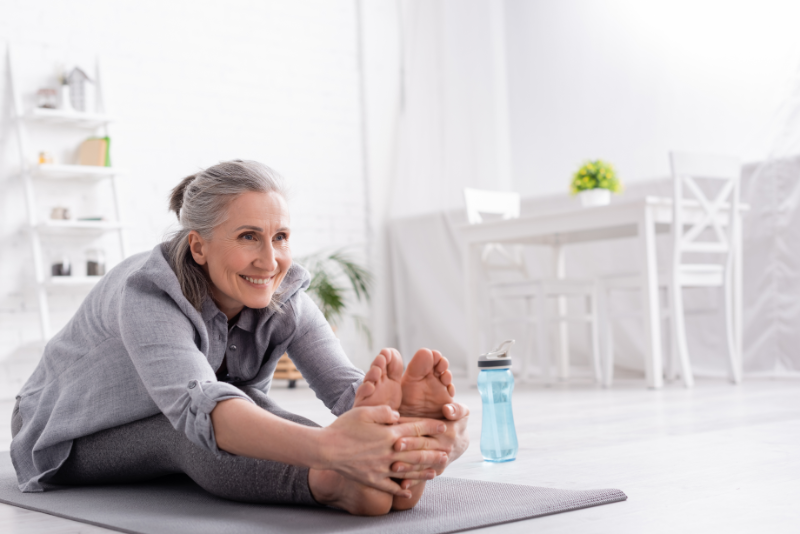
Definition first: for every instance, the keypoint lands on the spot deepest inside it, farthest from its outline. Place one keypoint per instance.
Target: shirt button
(233, 347)
(192, 384)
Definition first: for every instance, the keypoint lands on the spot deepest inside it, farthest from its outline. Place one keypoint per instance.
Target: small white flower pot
(594, 197)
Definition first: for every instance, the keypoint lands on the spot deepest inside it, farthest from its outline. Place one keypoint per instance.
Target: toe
(380, 362)
(440, 363)
(364, 391)
(446, 378)
(394, 367)
(373, 374)
(420, 365)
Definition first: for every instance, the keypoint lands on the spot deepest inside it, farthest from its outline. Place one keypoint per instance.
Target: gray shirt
(137, 347)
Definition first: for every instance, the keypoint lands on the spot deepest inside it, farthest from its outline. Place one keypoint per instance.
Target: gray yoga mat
(175, 505)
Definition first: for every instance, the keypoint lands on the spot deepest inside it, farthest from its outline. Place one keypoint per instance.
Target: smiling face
(248, 255)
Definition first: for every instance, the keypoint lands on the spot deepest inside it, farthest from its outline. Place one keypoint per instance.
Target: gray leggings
(151, 448)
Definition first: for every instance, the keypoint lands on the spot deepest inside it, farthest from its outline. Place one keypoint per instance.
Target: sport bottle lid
(498, 358)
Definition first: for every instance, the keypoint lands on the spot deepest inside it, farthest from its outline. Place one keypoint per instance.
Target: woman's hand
(454, 441)
(360, 445)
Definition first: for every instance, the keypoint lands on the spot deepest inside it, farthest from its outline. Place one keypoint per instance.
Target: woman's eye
(248, 237)
(280, 237)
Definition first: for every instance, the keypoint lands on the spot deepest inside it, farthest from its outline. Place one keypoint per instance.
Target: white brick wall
(191, 83)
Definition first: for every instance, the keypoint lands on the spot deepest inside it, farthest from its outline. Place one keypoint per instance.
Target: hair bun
(176, 195)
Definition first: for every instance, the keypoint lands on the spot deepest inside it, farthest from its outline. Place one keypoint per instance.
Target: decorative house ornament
(76, 81)
(594, 182)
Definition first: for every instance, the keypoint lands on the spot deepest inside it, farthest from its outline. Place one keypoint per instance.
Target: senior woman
(166, 366)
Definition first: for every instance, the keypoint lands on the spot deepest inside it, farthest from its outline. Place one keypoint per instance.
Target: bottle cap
(498, 358)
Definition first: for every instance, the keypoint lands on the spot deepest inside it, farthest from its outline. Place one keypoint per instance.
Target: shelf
(90, 172)
(67, 118)
(55, 226)
(72, 281)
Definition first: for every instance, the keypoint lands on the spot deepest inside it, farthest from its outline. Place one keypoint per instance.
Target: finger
(420, 459)
(408, 484)
(390, 486)
(421, 427)
(455, 411)
(420, 475)
(417, 444)
(378, 414)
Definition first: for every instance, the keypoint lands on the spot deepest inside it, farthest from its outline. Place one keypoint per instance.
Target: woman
(166, 366)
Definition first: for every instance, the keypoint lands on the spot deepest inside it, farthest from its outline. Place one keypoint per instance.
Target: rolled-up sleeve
(161, 342)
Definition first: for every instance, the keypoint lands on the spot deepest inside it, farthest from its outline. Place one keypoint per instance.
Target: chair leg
(677, 319)
(734, 351)
(594, 328)
(607, 357)
(527, 349)
(542, 334)
(563, 338)
(671, 367)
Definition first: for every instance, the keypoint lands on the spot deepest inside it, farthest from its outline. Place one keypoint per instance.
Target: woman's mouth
(258, 282)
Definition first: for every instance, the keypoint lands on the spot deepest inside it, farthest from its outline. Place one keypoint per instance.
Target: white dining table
(640, 218)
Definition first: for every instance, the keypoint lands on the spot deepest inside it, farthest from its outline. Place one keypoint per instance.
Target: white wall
(193, 83)
(628, 80)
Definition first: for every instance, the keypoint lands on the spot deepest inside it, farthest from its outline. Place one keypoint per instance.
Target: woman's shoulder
(153, 282)
(296, 282)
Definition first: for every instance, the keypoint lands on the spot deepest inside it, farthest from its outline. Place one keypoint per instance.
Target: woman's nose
(267, 260)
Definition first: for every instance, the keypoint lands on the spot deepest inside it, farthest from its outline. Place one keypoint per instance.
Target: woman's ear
(197, 246)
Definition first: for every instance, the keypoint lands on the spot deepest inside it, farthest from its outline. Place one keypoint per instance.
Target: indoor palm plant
(594, 182)
(335, 279)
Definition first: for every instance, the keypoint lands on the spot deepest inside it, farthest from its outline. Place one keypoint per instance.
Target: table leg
(560, 272)
(651, 310)
(471, 273)
(737, 296)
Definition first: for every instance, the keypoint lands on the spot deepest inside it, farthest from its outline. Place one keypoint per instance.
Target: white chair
(702, 223)
(496, 258)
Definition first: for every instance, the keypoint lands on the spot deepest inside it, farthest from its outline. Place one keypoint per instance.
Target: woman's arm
(159, 337)
(319, 356)
(358, 445)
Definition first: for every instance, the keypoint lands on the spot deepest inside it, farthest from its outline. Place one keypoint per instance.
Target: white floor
(717, 458)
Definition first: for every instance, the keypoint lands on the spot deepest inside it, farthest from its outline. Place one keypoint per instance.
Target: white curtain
(453, 116)
(448, 128)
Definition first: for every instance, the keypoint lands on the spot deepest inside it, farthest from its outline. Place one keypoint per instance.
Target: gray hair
(201, 204)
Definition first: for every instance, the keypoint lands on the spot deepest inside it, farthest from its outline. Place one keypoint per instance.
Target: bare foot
(399, 503)
(382, 386)
(332, 489)
(382, 382)
(427, 385)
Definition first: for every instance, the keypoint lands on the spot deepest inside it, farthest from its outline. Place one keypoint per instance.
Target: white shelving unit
(33, 175)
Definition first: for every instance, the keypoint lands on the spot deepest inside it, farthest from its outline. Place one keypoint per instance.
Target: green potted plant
(594, 182)
(331, 274)
(337, 281)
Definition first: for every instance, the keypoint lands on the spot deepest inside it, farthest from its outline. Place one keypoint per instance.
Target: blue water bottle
(496, 383)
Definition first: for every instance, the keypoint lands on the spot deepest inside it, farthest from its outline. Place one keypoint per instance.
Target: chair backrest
(718, 209)
(503, 203)
(506, 204)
